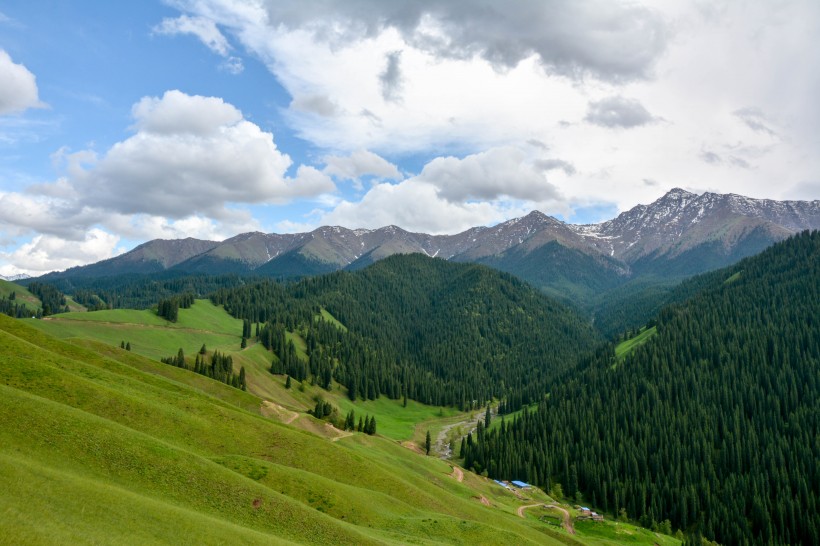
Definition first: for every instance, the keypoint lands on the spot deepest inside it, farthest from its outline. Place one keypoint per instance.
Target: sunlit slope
(111, 448)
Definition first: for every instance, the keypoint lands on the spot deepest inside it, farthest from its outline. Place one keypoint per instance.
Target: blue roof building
(520, 484)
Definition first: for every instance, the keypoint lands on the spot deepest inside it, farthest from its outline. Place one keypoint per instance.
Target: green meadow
(627, 346)
(112, 446)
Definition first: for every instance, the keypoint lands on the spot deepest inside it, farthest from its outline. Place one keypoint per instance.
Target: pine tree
(428, 444)
(487, 417)
(128, 346)
(287, 383)
(122, 345)
(202, 350)
(244, 343)
(242, 383)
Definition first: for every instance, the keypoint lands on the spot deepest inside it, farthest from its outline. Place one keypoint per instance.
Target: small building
(520, 484)
(502, 484)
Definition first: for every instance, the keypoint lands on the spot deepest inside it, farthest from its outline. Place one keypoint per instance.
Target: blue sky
(126, 121)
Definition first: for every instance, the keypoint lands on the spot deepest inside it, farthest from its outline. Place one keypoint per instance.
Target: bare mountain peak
(675, 223)
(679, 193)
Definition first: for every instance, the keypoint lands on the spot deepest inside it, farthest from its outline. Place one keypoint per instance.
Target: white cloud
(178, 113)
(618, 112)
(415, 206)
(45, 253)
(18, 91)
(358, 164)
(452, 194)
(184, 172)
(489, 175)
(193, 155)
(207, 32)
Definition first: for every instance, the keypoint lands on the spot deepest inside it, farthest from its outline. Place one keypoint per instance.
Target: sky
(122, 122)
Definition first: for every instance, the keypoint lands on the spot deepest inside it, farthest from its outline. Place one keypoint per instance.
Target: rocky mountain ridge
(681, 228)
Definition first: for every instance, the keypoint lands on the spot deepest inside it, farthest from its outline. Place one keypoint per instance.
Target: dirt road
(567, 518)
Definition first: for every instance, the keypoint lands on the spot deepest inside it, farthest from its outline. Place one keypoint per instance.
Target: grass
(629, 345)
(333, 320)
(153, 454)
(510, 417)
(732, 278)
(148, 454)
(21, 293)
(149, 334)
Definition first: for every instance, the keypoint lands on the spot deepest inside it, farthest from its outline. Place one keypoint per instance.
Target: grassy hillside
(151, 459)
(150, 453)
(21, 294)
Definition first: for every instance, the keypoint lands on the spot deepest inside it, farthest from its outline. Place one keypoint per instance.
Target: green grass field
(21, 293)
(152, 454)
(627, 346)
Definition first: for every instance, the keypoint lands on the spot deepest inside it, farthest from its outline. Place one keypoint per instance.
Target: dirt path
(458, 474)
(269, 409)
(567, 518)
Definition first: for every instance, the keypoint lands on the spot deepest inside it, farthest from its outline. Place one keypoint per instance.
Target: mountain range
(679, 235)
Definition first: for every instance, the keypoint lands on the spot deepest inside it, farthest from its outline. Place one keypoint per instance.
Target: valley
(300, 410)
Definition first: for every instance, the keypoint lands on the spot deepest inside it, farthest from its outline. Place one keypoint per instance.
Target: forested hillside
(712, 424)
(438, 332)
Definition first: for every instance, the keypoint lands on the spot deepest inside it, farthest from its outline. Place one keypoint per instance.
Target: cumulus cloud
(191, 161)
(488, 175)
(358, 164)
(553, 164)
(19, 89)
(45, 253)
(609, 40)
(416, 206)
(320, 105)
(193, 155)
(618, 112)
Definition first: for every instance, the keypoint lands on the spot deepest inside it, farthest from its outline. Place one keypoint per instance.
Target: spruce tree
(287, 383)
(428, 443)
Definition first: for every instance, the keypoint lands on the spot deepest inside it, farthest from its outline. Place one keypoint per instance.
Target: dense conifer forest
(139, 291)
(438, 332)
(713, 424)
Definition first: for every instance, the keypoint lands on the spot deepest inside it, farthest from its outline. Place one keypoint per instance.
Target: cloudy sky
(122, 122)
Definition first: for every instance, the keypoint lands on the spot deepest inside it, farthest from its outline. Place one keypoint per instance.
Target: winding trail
(567, 519)
(458, 474)
(271, 409)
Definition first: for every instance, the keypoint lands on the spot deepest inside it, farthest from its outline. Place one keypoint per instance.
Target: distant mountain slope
(151, 257)
(440, 332)
(687, 233)
(712, 423)
(679, 235)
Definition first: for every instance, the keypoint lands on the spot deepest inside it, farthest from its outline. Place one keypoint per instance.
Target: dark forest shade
(713, 423)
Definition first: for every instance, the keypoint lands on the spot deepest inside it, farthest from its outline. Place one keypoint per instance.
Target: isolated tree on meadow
(428, 443)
